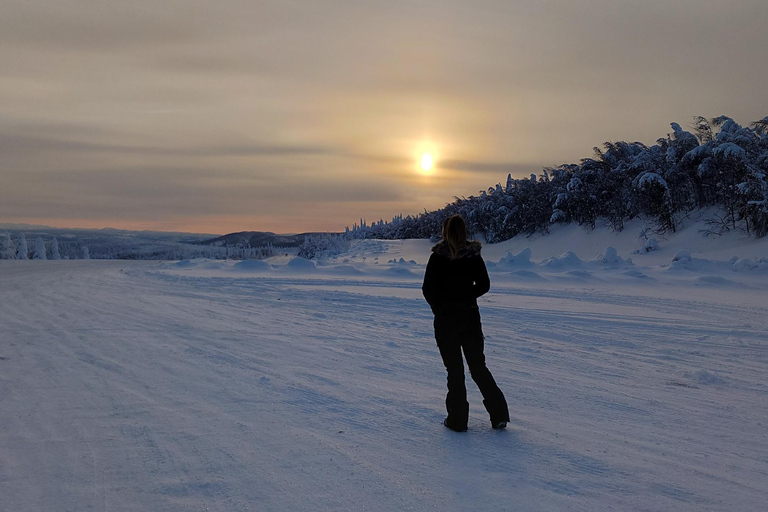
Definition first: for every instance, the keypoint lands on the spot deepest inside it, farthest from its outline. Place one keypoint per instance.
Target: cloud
(152, 192)
(97, 26)
(17, 143)
(156, 109)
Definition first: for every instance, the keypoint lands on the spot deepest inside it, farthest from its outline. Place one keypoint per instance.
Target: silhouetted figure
(456, 276)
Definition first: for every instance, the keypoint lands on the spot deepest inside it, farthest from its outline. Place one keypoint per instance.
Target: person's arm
(482, 281)
(431, 285)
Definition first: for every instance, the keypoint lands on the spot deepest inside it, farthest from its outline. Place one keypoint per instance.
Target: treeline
(21, 250)
(121, 247)
(719, 164)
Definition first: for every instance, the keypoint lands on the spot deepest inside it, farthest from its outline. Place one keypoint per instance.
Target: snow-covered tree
(7, 249)
(719, 164)
(39, 253)
(23, 252)
(323, 246)
(655, 199)
(755, 210)
(55, 255)
(86, 253)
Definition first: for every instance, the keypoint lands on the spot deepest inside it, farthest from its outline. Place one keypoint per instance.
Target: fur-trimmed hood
(472, 248)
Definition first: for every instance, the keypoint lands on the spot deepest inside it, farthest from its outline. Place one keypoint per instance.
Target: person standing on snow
(455, 277)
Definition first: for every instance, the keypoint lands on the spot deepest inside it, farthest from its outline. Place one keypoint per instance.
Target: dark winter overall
(451, 287)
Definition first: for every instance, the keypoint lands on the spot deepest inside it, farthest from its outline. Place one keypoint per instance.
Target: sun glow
(426, 162)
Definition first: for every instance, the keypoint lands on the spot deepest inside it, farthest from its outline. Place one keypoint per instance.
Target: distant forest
(718, 164)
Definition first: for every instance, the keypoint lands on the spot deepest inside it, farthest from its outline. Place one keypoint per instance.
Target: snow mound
(185, 264)
(399, 272)
(301, 264)
(714, 280)
(345, 270)
(704, 377)
(585, 275)
(682, 260)
(743, 265)
(565, 261)
(211, 265)
(636, 274)
(526, 274)
(649, 245)
(522, 259)
(611, 258)
(746, 265)
(251, 266)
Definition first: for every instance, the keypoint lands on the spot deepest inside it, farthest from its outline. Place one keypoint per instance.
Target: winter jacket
(455, 284)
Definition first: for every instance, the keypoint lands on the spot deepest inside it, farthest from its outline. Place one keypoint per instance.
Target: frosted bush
(650, 245)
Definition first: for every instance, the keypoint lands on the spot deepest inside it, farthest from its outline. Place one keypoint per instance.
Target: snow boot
(455, 428)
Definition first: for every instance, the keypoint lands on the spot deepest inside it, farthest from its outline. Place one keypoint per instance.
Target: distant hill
(8, 225)
(260, 239)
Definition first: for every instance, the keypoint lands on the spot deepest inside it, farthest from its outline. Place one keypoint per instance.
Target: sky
(307, 115)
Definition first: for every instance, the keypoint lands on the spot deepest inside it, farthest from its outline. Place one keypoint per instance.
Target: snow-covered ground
(290, 385)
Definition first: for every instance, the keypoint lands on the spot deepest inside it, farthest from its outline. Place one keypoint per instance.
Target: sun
(426, 162)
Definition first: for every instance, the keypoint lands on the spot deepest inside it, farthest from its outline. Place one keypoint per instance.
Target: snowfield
(634, 382)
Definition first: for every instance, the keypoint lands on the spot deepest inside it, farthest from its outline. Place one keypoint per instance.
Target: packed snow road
(130, 386)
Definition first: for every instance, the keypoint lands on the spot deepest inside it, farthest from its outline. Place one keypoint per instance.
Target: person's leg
(494, 400)
(456, 399)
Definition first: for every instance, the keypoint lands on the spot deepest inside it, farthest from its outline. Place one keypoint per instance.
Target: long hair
(455, 234)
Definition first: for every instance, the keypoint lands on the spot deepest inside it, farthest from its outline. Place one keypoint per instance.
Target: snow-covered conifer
(86, 254)
(23, 253)
(55, 255)
(683, 141)
(39, 253)
(7, 250)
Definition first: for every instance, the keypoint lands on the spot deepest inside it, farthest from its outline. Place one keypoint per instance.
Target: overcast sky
(299, 115)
